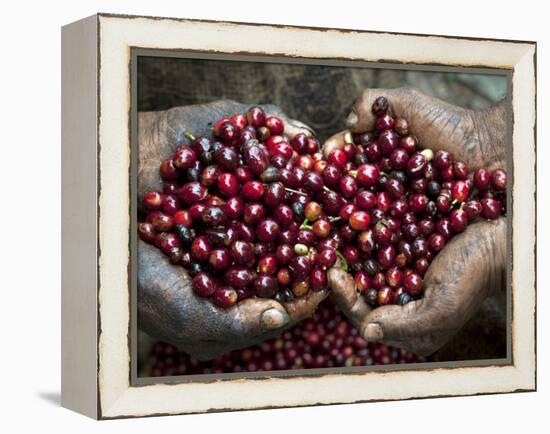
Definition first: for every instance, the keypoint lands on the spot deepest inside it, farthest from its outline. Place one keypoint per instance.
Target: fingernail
(273, 319)
(351, 120)
(373, 332)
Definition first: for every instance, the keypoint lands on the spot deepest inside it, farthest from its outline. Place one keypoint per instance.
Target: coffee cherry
(371, 296)
(436, 242)
(284, 277)
(348, 186)
(413, 283)
(268, 230)
(401, 126)
(388, 142)
(146, 232)
(362, 281)
(459, 220)
(152, 200)
(242, 252)
(368, 175)
(160, 221)
(384, 296)
(403, 298)
(473, 208)
(200, 248)
(267, 264)
(191, 193)
(184, 158)
(442, 160)
(460, 191)
(384, 122)
(274, 194)
(318, 279)
(416, 165)
(265, 285)
(213, 216)
(300, 288)
(359, 220)
(203, 285)
(238, 276)
(482, 179)
(255, 158)
(380, 106)
(225, 297)
(168, 171)
(228, 184)
(386, 255)
(490, 208)
(219, 259)
(321, 228)
(499, 178)
(326, 258)
(253, 213)
(256, 117)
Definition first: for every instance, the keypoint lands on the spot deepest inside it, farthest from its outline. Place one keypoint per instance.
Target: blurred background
(322, 97)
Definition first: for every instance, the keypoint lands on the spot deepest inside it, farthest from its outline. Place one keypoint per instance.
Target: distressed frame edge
(79, 138)
(530, 385)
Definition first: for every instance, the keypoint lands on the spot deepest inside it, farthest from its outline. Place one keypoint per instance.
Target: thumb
(346, 296)
(336, 141)
(257, 316)
(412, 326)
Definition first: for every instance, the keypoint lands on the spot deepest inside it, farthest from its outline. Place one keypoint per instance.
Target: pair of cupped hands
(470, 268)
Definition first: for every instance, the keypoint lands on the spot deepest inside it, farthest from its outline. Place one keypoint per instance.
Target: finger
(470, 267)
(260, 315)
(337, 141)
(294, 127)
(346, 295)
(304, 307)
(361, 119)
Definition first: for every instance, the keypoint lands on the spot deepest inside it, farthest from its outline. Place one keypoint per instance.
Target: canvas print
(296, 217)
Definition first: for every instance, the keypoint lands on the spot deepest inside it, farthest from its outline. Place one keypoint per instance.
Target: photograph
(285, 216)
(298, 216)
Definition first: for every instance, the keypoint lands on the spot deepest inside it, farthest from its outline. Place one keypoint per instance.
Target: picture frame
(98, 316)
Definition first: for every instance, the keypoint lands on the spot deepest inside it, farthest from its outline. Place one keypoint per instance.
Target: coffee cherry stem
(343, 261)
(385, 222)
(295, 191)
(189, 135)
(353, 173)
(326, 188)
(334, 219)
(305, 225)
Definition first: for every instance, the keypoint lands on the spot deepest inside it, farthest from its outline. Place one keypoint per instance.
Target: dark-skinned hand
(167, 306)
(472, 265)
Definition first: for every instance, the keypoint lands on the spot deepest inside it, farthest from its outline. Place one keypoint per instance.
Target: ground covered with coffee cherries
(325, 340)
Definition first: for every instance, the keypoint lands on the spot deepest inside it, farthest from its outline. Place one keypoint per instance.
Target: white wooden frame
(96, 217)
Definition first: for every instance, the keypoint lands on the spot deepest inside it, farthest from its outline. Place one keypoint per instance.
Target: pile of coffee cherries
(325, 340)
(231, 209)
(252, 213)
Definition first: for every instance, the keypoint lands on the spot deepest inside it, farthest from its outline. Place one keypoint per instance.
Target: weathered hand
(167, 306)
(473, 263)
